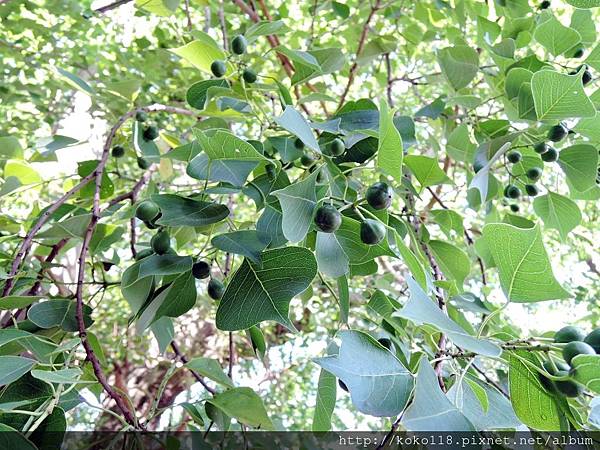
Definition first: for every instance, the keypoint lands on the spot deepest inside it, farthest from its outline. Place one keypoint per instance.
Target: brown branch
(361, 44)
(110, 6)
(187, 14)
(184, 360)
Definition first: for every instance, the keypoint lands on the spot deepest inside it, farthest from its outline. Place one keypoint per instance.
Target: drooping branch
(111, 6)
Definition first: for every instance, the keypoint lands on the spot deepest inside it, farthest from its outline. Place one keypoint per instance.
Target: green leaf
(10, 335)
(84, 168)
(11, 438)
(196, 94)
(558, 96)
(378, 382)
(292, 121)
(14, 367)
(326, 395)
(210, 368)
(426, 170)
(298, 201)
(331, 257)
(76, 82)
(201, 53)
(586, 370)
(184, 211)
(584, 4)
(18, 301)
(523, 265)
(593, 59)
(459, 145)
(63, 376)
(448, 220)
(58, 312)
(420, 309)
(22, 171)
(430, 408)
(459, 65)
(348, 237)
(555, 37)
(257, 293)
(579, 162)
(147, 149)
(453, 261)
(329, 60)
(558, 212)
(344, 298)
(389, 149)
(534, 406)
(248, 243)
(164, 333)
(264, 28)
(158, 7)
(244, 405)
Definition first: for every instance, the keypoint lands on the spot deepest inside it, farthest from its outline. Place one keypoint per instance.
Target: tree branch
(110, 6)
(184, 360)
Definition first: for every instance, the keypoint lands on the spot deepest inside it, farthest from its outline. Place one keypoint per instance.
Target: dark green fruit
(147, 210)
(143, 163)
(161, 242)
(218, 68)
(298, 144)
(249, 76)
(201, 270)
(578, 53)
(534, 173)
(514, 157)
(118, 151)
(557, 133)
(512, 191)
(379, 196)
(568, 334)
(548, 367)
(372, 231)
(574, 348)
(531, 190)
(141, 116)
(150, 133)
(593, 340)
(343, 385)
(514, 208)
(567, 387)
(587, 77)
(385, 342)
(328, 219)
(545, 4)
(551, 155)
(337, 147)
(271, 171)
(540, 147)
(143, 254)
(307, 159)
(215, 289)
(239, 45)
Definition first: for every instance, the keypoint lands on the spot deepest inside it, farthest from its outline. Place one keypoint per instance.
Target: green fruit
(574, 348)
(307, 159)
(372, 231)
(337, 147)
(161, 242)
(567, 387)
(249, 76)
(385, 342)
(551, 155)
(328, 219)
(548, 367)
(147, 210)
(141, 116)
(215, 289)
(298, 144)
(143, 254)
(150, 133)
(531, 190)
(143, 163)
(239, 45)
(201, 270)
(578, 53)
(512, 191)
(534, 173)
(514, 208)
(593, 340)
(540, 148)
(545, 4)
(118, 151)
(379, 196)
(343, 385)
(218, 68)
(514, 157)
(586, 78)
(557, 133)
(568, 334)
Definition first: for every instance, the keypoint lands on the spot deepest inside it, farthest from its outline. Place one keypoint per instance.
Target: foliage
(366, 177)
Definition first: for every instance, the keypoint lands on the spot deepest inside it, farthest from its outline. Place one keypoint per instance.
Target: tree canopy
(277, 215)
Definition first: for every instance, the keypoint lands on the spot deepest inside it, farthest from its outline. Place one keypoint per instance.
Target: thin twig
(110, 6)
(184, 360)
